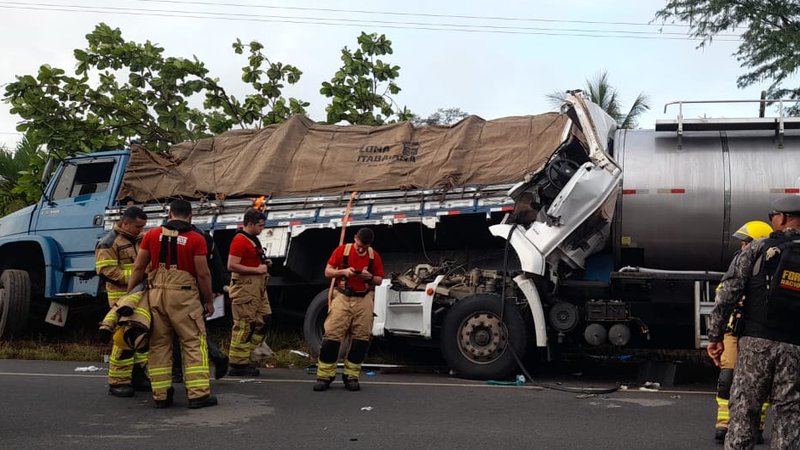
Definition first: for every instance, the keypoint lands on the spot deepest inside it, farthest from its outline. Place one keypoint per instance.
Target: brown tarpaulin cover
(301, 157)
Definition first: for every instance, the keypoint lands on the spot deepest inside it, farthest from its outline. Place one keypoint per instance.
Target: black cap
(789, 204)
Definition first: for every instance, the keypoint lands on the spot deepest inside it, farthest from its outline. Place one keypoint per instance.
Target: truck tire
(15, 300)
(314, 320)
(475, 343)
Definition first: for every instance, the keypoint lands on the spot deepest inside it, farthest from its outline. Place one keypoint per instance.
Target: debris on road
(650, 386)
(366, 408)
(88, 369)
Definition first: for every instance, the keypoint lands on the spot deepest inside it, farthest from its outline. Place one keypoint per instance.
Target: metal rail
(779, 123)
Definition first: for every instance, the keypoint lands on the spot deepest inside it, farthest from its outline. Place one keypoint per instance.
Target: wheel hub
(483, 337)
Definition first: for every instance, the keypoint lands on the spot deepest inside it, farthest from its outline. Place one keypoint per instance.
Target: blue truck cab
(47, 249)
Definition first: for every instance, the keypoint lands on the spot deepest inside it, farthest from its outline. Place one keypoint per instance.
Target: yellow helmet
(752, 230)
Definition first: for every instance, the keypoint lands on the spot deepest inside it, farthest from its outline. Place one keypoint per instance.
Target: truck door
(71, 211)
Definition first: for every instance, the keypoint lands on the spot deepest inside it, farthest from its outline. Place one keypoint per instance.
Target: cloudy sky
(492, 59)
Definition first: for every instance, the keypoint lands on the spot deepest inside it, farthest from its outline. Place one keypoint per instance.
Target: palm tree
(13, 166)
(606, 96)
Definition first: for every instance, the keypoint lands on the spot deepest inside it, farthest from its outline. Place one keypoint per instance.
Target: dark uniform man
(767, 274)
(248, 290)
(114, 257)
(746, 234)
(357, 269)
(178, 278)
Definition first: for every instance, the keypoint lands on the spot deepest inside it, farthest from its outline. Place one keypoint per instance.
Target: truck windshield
(83, 178)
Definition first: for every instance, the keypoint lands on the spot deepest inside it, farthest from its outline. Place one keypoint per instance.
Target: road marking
(58, 375)
(229, 380)
(107, 436)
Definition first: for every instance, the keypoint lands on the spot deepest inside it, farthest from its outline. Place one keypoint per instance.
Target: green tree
(267, 106)
(769, 45)
(17, 171)
(361, 89)
(442, 116)
(123, 91)
(602, 93)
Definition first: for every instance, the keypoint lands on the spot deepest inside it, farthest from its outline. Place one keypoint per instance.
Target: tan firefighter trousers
(249, 305)
(175, 307)
(351, 314)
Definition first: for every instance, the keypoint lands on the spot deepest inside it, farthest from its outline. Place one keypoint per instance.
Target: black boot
(719, 435)
(122, 390)
(159, 404)
(219, 358)
(177, 376)
(139, 379)
(221, 367)
(351, 383)
(322, 384)
(759, 437)
(242, 370)
(202, 402)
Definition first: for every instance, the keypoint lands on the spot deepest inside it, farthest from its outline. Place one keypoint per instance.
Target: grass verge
(82, 345)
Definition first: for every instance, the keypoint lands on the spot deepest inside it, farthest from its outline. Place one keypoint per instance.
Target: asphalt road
(46, 404)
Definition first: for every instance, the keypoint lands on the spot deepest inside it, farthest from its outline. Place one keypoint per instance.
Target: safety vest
(772, 305)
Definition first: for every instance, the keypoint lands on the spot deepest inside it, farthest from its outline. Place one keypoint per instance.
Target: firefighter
(217, 356)
(746, 234)
(767, 274)
(249, 303)
(114, 257)
(178, 273)
(357, 269)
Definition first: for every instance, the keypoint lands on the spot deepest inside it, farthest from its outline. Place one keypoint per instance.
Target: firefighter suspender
(345, 258)
(346, 264)
(169, 244)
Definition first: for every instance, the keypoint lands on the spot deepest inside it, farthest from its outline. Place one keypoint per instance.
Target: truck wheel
(313, 323)
(475, 342)
(15, 299)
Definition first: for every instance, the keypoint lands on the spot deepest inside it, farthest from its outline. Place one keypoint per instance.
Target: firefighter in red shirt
(248, 291)
(357, 269)
(174, 256)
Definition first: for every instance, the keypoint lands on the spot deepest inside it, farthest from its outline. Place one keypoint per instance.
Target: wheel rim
(483, 338)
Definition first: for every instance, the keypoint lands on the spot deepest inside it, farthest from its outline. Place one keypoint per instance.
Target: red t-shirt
(190, 244)
(242, 247)
(357, 262)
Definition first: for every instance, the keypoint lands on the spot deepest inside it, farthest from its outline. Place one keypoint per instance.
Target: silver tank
(679, 205)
